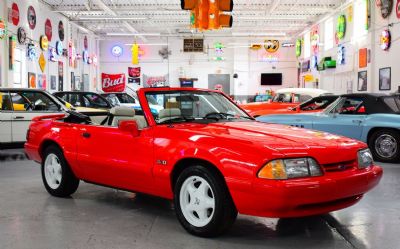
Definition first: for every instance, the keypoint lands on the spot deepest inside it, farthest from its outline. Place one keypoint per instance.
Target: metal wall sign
(48, 29)
(31, 17)
(193, 45)
(3, 29)
(12, 46)
(271, 46)
(21, 34)
(59, 48)
(61, 31)
(341, 26)
(386, 8)
(14, 14)
(398, 9)
(44, 42)
(385, 40)
(31, 52)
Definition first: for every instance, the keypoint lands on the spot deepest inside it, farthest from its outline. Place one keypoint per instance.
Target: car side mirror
(129, 126)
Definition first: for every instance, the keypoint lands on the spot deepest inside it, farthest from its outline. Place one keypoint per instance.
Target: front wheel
(385, 145)
(58, 179)
(202, 202)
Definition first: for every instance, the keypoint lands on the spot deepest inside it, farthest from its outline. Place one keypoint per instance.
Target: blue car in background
(372, 118)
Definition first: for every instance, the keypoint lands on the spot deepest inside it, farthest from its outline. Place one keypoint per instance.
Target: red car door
(112, 157)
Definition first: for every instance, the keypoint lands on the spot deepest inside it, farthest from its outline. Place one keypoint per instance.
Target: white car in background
(18, 107)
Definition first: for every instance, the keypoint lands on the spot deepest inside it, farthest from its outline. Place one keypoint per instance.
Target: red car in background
(284, 98)
(207, 155)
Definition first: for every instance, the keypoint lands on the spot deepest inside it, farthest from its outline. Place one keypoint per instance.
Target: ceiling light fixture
(133, 34)
(258, 34)
(122, 18)
(147, 44)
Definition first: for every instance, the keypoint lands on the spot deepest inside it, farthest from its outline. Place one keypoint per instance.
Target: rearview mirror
(129, 126)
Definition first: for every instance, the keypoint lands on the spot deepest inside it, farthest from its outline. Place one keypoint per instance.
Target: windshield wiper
(222, 115)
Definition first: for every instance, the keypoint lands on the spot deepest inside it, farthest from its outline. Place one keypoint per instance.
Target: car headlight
(282, 169)
(364, 158)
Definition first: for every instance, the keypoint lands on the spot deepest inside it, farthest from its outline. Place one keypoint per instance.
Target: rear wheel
(58, 179)
(202, 202)
(385, 145)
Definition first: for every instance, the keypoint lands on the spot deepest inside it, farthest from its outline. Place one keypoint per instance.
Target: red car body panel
(237, 149)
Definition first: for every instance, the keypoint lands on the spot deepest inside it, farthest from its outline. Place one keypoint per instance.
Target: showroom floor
(97, 217)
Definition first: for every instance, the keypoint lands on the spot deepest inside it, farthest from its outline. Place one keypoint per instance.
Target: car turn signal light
(282, 169)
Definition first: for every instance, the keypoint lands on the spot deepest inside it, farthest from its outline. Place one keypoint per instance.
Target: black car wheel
(57, 176)
(385, 145)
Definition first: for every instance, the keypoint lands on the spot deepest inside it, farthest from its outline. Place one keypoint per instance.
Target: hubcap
(52, 171)
(197, 201)
(386, 146)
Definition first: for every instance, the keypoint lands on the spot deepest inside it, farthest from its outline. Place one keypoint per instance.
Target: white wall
(71, 33)
(238, 59)
(336, 80)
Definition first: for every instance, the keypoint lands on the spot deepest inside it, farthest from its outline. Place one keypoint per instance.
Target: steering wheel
(29, 106)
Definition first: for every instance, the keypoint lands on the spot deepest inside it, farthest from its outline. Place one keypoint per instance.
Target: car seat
(125, 113)
(168, 114)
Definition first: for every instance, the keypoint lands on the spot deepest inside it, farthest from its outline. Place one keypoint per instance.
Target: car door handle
(19, 117)
(86, 135)
(357, 121)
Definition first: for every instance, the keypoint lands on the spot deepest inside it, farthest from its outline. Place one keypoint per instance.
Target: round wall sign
(15, 14)
(2, 29)
(398, 9)
(386, 8)
(271, 46)
(61, 30)
(298, 47)
(117, 50)
(48, 30)
(341, 26)
(59, 48)
(31, 17)
(44, 42)
(21, 34)
(85, 56)
(385, 40)
(85, 43)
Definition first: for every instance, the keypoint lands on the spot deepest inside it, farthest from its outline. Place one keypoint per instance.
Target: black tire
(69, 183)
(374, 139)
(225, 212)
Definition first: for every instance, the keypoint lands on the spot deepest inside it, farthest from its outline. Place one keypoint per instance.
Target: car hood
(283, 139)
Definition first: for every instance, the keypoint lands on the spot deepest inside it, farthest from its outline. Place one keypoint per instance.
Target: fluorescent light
(284, 18)
(258, 34)
(122, 18)
(147, 44)
(133, 34)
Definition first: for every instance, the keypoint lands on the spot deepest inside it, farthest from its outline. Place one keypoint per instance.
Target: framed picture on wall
(385, 78)
(362, 81)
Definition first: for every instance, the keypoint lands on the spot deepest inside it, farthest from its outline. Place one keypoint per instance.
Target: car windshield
(194, 106)
(125, 98)
(94, 101)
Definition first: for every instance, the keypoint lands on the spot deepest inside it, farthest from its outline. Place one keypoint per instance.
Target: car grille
(340, 166)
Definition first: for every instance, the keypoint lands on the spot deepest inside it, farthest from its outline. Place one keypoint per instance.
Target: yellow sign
(42, 62)
(271, 46)
(135, 54)
(44, 43)
(350, 13)
(308, 78)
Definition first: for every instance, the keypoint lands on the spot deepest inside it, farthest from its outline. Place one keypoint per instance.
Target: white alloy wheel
(197, 201)
(53, 171)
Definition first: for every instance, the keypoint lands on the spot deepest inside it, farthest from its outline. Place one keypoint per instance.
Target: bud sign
(113, 82)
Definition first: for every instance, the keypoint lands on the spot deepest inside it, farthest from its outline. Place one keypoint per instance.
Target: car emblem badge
(161, 162)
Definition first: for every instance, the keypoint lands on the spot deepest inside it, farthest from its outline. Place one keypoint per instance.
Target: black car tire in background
(385, 145)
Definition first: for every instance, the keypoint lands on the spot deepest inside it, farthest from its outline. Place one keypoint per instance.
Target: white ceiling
(287, 17)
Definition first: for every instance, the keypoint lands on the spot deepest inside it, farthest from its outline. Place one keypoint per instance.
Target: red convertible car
(207, 155)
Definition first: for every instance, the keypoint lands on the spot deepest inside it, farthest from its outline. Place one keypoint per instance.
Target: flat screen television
(268, 79)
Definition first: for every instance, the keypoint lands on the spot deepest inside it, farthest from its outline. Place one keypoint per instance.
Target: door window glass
(283, 98)
(95, 101)
(5, 103)
(33, 101)
(350, 106)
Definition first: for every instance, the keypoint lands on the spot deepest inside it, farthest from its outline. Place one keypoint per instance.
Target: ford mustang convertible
(207, 155)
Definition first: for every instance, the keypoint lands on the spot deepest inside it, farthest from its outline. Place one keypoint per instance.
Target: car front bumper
(306, 196)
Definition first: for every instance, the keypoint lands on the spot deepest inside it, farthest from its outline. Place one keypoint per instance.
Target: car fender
(376, 121)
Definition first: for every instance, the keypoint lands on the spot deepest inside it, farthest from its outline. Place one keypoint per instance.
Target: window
(360, 19)
(5, 103)
(328, 39)
(125, 99)
(349, 106)
(307, 45)
(283, 98)
(18, 61)
(194, 106)
(33, 101)
(94, 101)
(303, 98)
(393, 103)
